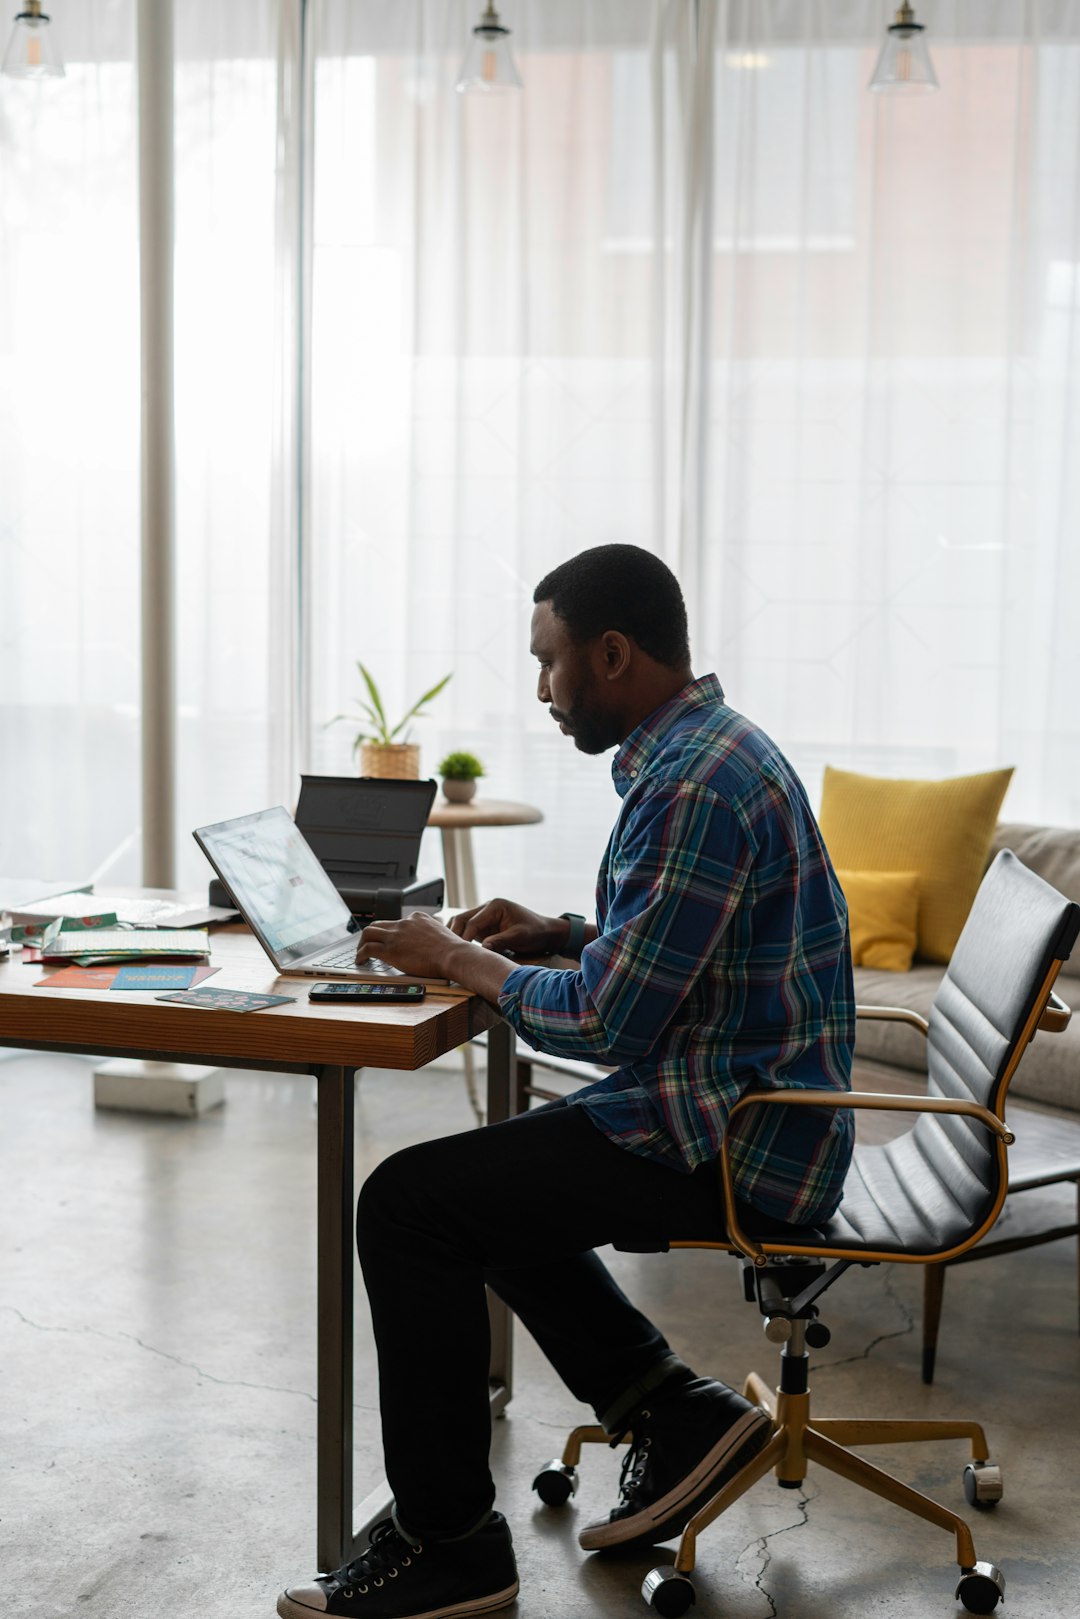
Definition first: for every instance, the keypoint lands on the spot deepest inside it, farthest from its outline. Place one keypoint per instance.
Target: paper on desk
(124, 944)
(144, 978)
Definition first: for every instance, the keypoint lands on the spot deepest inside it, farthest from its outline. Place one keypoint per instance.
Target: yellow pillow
(939, 829)
(882, 908)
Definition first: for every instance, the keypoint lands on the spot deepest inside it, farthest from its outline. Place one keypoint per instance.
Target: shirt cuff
(510, 996)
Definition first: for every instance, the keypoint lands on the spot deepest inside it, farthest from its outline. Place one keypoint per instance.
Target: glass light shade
(489, 64)
(31, 52)
(904, 66)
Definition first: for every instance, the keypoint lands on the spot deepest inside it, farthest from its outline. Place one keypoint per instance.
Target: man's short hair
(621, 587)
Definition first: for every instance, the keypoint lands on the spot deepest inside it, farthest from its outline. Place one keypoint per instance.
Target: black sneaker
(434, 1579)
(683, 1449)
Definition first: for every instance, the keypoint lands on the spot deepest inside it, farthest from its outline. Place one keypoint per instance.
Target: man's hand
(502, 925)
(424, 948)
(418, 944)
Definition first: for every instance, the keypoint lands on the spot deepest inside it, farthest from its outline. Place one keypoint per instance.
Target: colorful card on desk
(227, 1000)
(159, 977)
(144, 978)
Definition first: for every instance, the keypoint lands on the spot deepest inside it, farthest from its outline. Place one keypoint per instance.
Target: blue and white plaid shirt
(722, 963)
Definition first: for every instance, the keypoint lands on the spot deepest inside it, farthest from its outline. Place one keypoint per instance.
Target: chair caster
(556, 1483)
(982, 1485)
(981, 1588)
(668, 1592)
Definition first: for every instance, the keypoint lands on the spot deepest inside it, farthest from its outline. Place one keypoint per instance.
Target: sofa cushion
(882, 915)
(878, 1040)
(1049, 1070)
(1051, 852)
(940, 829)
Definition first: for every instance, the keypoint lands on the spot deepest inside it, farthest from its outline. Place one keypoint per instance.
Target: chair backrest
(1017, 934)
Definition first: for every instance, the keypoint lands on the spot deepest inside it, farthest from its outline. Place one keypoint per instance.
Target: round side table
(455, 822)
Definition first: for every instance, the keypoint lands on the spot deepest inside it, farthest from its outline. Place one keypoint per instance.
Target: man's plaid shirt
(722, 963)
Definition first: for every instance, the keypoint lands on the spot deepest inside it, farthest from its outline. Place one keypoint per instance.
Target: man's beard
(592, 730)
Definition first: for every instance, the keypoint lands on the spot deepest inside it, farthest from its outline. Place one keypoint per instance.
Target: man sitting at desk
(718, 963)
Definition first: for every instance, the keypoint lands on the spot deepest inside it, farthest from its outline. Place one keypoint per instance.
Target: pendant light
(31, 52)
(488, 63)
(904, 65)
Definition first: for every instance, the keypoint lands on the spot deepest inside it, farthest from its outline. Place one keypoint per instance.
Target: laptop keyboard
(347, 958)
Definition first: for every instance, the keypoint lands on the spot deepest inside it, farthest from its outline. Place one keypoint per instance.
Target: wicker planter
(397, 761)
(458, 792)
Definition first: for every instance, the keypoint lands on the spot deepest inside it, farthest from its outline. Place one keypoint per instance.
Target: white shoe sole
(597, 1536)
(288, 1609)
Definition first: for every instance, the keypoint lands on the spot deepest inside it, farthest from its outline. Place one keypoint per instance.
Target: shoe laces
(635, 1463)
(387, 1553)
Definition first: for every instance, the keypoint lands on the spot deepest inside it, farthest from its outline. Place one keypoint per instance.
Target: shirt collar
(640, 746)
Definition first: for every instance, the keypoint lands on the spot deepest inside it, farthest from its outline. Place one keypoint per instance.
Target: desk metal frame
(340, 1525)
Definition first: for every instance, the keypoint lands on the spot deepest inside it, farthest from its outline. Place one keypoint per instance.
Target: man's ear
(616, 653)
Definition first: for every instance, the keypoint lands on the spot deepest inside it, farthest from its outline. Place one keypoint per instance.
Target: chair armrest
(881, 1100)
(894, 1014)
(1055, 1018)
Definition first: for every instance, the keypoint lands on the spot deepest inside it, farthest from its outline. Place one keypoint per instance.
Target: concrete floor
(157, 1418)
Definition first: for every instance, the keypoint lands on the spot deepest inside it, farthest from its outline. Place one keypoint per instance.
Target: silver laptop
(288, 901)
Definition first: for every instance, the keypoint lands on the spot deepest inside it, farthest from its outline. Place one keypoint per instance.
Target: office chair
(1046, 1153)
(925, 1197)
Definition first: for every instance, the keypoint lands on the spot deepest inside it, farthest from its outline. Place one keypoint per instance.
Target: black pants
(519, 1205)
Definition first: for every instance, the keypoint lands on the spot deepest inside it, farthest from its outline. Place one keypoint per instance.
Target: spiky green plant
(373, 711)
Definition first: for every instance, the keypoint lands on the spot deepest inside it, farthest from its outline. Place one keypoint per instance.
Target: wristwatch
(575, 944)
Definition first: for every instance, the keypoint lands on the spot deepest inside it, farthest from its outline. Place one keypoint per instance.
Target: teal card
(154, 978)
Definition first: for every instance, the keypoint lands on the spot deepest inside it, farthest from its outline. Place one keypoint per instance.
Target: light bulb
(489, 64)
(904, 64)
(31, 51)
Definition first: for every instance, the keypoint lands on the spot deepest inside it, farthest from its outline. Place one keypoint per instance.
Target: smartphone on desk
(350, 994)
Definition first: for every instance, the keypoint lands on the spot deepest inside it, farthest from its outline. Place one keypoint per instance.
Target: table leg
(460, 875)
(451, 868)
(334, 1371)
(501, 1051)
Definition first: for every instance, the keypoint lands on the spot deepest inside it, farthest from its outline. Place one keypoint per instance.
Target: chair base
(796, 1441)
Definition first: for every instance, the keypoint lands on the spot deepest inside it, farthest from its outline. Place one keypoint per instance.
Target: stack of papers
(89, 949)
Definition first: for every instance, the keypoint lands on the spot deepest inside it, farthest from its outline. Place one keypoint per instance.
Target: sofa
(1050, 1070)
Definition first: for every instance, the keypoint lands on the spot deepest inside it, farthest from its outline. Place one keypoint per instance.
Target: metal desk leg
(501, 1050)
(334, 1374)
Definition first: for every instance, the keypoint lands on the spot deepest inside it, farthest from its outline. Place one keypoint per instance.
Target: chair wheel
(668, 1592)
(982, 1485)
(555, 1483)
(981, 1588)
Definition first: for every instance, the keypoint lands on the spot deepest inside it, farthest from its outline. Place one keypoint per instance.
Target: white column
(155, 90)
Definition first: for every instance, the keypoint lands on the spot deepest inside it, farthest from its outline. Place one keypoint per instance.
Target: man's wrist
(574, 942)
(471, 966)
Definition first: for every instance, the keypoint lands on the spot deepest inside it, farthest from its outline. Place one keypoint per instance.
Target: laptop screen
(277, 882)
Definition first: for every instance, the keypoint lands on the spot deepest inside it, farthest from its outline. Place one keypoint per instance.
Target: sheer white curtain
(496, 371)
(69, 446)
(694, 288)
(889, 553)
(697, 289)
(69, 440)
(235, 539)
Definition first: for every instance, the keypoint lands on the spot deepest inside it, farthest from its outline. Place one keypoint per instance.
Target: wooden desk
(455, 822)
(329, 1042)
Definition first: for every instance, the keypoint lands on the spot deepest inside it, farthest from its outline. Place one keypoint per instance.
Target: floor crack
(882, 1337)
(764, 1550)
(189, 1365)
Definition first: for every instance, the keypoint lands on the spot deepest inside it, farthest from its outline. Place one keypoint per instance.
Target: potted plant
(381, 753)
(459, 772)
